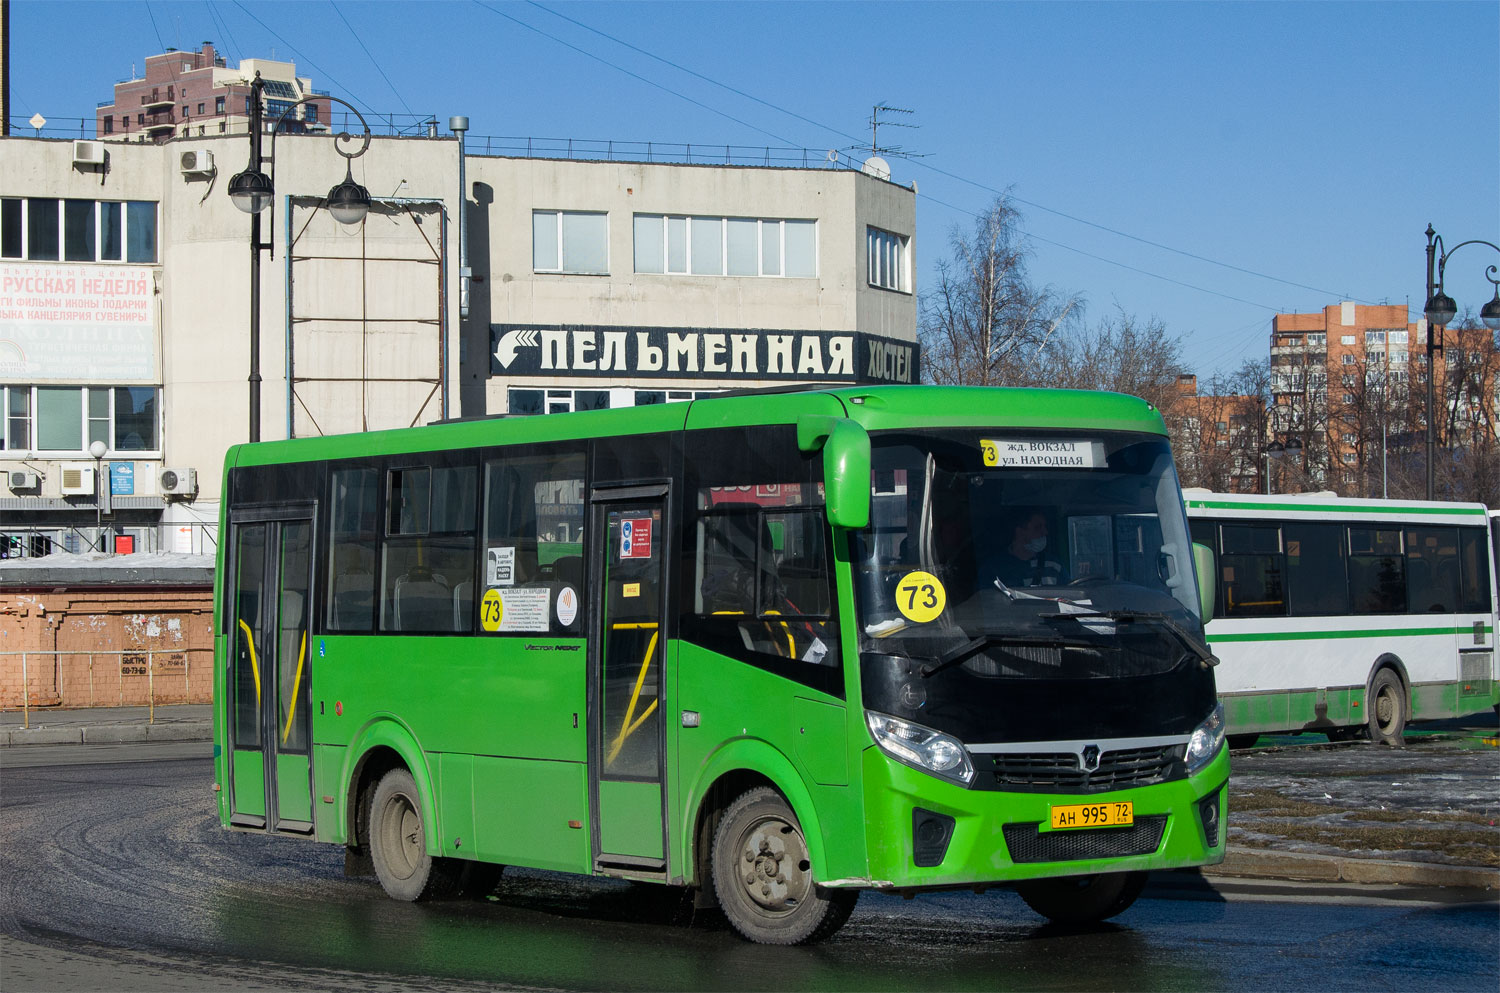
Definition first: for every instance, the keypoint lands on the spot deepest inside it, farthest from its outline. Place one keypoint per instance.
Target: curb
(108, 734)
(1261, 864)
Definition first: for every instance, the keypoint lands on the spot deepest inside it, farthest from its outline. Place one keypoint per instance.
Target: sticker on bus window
(511, 609)
(631, 589)
(491, 611)
(635, 538)
(500, 565)
(920, 597)
(567, 606)
(1053, 453)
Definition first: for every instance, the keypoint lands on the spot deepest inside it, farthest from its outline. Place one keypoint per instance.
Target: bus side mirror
(1203, 565)
(846, 466)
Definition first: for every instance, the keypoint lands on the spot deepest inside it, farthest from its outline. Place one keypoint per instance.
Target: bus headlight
(921, 747)
(1206, 741)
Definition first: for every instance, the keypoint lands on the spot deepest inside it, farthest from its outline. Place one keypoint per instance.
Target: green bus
(765, 646)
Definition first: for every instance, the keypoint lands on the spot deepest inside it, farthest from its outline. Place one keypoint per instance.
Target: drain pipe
(459, 125)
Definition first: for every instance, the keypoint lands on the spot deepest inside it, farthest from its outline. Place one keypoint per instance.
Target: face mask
(1035, 545)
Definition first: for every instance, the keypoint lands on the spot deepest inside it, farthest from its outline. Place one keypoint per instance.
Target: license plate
(1093, 815)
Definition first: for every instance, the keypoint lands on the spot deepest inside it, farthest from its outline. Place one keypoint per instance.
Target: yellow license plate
(1093, 815)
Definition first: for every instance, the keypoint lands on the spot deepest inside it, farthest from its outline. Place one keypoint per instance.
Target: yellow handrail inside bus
(296, 685)
(790, 641)
(254, 665)
(627, 727)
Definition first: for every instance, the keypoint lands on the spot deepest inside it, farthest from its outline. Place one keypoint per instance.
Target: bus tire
(763, 877)
(1387, 713)
(1083, 899)
(398, 843)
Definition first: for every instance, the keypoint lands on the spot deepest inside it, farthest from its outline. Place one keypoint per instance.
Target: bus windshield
(1060, 559)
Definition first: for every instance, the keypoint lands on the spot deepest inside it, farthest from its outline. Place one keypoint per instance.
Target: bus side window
(1431, 570)
(351, 549)
(1253, 571)
(1475, 566)
(533, 536)
(1317, 569)
(1377, 578)
(428, 559)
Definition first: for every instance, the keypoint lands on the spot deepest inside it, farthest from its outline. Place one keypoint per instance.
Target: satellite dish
(877, 167)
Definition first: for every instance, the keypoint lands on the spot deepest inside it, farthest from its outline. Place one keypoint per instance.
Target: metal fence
(520, 146)
(36, 541)
(58, 680)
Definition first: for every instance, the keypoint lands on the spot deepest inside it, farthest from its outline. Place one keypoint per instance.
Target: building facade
(125, 296)
(1217, 438)
(197, 94)
(1350, 385)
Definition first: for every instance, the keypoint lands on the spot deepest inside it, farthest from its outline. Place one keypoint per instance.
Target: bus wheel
(1082, 899)
(398, 843)
(763, 877)
(1387, 709)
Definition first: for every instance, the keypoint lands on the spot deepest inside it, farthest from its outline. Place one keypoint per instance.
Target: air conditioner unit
(197, 162)
(77, 480)
(89, 153)
(178, 482)
(21, 479)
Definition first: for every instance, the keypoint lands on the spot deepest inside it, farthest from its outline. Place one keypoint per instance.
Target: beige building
(125, 297)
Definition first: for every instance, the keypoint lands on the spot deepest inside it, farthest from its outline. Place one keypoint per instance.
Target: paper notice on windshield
(1051, 454)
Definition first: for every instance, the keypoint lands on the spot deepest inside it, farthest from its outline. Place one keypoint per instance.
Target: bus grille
(1060, 772)
(1027, 844)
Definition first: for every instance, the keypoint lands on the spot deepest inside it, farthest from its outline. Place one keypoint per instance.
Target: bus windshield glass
(1000, 556)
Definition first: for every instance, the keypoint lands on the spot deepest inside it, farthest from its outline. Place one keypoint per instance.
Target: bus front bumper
(926, 833)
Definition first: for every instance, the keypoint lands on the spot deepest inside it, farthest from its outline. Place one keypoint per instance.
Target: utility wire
(634, 75)
(304, 59)
(373, 60)
(942, 172)
(223, 28)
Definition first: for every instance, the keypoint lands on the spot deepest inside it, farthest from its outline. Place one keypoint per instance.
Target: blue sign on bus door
(122, 479)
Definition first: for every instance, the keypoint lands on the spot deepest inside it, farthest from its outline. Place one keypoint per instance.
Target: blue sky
(1311, 143)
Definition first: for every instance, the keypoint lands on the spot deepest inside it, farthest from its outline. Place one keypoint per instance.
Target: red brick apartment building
(1350, 384)
(1217, 438)
(198, 94)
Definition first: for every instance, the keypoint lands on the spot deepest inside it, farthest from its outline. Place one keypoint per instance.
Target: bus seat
(422, 601)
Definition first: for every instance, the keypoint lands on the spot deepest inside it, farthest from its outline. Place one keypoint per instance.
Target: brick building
(1217, 438)
(196, 94)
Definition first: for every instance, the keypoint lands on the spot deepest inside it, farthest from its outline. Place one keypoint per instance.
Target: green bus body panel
(1384, 508)
(977, 852)
(1324, 635)
(387, 731)
(249, 783)
(820, 741)
(521, 812)
(631, 824)
(328, 770)
(739, 732)
(456, 803)
(293, 803)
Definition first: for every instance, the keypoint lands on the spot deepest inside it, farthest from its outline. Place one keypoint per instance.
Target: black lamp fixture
(1439, 310)
(253, 190)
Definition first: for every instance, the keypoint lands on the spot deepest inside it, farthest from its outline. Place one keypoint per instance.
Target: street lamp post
(1439, 310)
(1276, 449)
(253, 190)
(97, 449)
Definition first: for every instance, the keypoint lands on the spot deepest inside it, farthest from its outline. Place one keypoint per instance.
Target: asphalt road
(116, 876)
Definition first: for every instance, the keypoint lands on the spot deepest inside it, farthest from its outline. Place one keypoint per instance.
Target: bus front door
(270, 672)
(627, 648)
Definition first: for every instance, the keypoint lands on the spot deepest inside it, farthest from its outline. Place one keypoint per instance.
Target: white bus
(1349, 617)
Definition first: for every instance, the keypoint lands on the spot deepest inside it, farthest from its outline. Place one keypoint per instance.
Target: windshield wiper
(1174, 627)
(960, 653)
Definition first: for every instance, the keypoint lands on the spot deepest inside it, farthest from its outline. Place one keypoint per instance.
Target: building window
(49, 230)
(1346, 339)
(1398, 337)
(185, 112)
(66, 419)
(310, 112)
(109, 124)
(1318, 339)
(886, 257)
(140, 120)
(1347, 359)
(200, 110)
(570, 241)
(1374, 337)
(725, 246)
(219, 105)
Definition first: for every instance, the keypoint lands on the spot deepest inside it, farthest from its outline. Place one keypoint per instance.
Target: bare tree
(984, 323)
(1121, 355)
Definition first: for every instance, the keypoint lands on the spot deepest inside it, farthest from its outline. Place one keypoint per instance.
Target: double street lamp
(253, 190)
(1440, 309)
(1276, 449)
